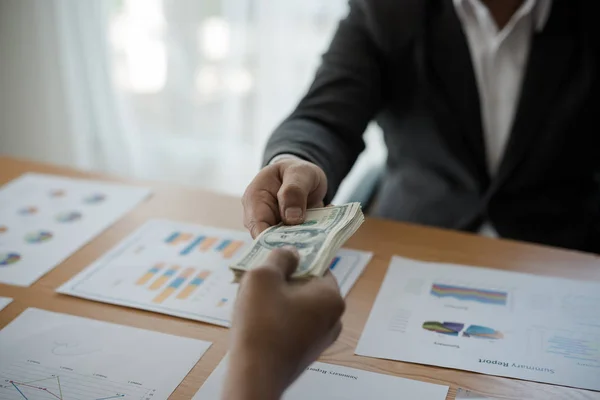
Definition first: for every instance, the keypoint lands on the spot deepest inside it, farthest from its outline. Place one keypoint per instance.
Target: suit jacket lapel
(453, 80)
(551, 52)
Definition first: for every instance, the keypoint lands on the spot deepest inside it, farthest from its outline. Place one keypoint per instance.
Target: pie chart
(94, 198)
(28, 210)
(57, 193)
(38, 237)
(8, 259)
(68, 216)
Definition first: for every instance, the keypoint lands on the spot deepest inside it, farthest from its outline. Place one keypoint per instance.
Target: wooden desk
(381, 237)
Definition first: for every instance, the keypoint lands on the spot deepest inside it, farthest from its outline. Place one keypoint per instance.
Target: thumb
(297, 184)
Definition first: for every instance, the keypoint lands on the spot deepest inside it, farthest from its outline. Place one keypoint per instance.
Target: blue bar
(170, 272)
(223, 245)
(334, 263)
(197, 281)
(172, 238)
(177, 282)
(192, 245)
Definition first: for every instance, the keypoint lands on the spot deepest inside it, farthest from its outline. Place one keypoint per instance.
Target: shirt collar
(541, 10)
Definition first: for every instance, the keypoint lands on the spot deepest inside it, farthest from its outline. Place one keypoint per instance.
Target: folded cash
(317, 240)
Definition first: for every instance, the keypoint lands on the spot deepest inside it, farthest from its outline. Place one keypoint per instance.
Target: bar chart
(191, 243)
(183, 270)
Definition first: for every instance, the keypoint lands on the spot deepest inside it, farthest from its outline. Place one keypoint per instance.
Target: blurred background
(185, 91)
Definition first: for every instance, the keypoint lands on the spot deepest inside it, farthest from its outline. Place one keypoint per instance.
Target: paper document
(4, 301)
(47, 355)
(333, 382)
(45, 218)
(183, 270)
(489, 321)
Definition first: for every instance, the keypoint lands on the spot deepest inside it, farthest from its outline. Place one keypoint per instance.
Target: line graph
(30, 380)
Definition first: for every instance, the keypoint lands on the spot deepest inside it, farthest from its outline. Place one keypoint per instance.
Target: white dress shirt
(499, 59)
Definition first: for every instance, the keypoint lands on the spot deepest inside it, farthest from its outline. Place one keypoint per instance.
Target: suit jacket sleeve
(327, 126)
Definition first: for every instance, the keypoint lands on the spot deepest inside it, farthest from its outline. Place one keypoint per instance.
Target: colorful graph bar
(208, 243)
(177, 238)
(445, 328)
(174, 285)
(334, 262)
(193, 285)
(164, 278)
(222, 302)
(196, 242)
(482, 332)
(232, 248)
(223, 245)
(149, 274)
(469, 294)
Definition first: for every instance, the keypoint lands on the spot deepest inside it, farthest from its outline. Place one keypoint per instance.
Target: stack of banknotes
(318, 240)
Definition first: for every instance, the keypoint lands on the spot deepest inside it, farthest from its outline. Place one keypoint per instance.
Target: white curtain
(57, 102)
(180, 90)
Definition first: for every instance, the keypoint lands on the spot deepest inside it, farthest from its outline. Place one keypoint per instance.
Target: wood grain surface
(384, 238)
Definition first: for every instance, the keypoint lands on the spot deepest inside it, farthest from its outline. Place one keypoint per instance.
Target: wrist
(255, 377)
(284, 157)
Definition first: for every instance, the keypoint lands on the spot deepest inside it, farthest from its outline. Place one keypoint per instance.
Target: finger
(257, 227)
(260, 207)
(329, 283)
(297, 184)
(281, 262)
(325, 293)
(318, 204)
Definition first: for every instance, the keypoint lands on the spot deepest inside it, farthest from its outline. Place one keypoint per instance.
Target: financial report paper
(183, 270)
(489, 321)
(44, 219)
(334, 382)
(47, 355)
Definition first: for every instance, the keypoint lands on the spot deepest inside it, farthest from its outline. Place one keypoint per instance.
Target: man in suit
(488, 110)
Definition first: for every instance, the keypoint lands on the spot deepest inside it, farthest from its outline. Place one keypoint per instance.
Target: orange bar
(232, 248)
(207, 244)
(222, 302)
(174, 285)
(193, 285)
(150, 274)
(164, 295)
(187, 273)
(204, 274)
(186, 292)
(164, 278)
(178, 238)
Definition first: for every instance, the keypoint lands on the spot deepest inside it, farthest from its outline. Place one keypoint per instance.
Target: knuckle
(335, 304)
(249, 224)
(292, 189)
(258, 275)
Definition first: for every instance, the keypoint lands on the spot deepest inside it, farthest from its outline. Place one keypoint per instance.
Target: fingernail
(293, 213)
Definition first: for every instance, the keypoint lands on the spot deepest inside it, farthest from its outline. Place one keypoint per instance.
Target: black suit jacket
(407, 65)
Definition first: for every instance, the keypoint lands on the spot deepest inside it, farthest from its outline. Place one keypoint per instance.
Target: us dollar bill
(317, 239)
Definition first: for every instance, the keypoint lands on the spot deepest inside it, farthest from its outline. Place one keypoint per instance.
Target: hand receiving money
(317, 240)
